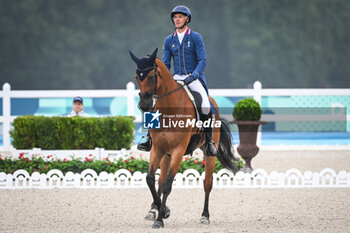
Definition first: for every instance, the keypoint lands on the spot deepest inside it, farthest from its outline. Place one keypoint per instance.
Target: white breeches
(197, 86)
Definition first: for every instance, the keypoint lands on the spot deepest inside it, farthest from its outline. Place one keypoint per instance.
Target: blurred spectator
(78, 108)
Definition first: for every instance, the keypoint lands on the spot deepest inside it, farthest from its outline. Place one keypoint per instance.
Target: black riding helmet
(183, 10)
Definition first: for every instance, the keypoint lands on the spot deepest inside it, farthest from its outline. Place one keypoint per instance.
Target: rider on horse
(187, 49)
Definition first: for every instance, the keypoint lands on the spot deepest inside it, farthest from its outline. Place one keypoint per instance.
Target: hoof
(157, 225)
(151, 215)
(167, 212)
(204, 220)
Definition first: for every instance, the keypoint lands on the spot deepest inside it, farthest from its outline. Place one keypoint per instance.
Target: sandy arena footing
(122, 210)
(231, 210)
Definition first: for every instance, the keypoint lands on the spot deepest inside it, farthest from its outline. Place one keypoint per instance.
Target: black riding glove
(188, 80)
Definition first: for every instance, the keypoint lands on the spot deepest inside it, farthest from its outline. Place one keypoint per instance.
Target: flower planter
(248, 131)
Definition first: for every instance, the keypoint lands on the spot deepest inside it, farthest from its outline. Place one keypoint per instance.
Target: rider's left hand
(188, 80)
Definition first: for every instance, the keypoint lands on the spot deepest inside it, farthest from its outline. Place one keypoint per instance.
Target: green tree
(83, 44)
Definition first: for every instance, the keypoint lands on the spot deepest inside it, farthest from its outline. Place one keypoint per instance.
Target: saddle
(196, 100)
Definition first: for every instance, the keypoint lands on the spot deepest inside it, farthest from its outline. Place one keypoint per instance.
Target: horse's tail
(225, 151)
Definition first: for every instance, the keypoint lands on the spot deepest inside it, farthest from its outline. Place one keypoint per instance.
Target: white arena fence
(259, 178)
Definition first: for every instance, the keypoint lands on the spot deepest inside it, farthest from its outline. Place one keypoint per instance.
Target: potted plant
(247, 114)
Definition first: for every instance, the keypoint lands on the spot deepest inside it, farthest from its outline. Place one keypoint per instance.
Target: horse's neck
(172, 99)
(170, 85)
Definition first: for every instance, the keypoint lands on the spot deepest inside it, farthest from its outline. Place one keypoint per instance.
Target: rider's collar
(188, 31)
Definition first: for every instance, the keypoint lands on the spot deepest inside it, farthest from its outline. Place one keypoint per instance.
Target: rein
(154, 92)
(170, 92)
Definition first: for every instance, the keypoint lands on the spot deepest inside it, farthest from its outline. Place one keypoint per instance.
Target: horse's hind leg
(164, 167)
(209, 170)
(208, 184)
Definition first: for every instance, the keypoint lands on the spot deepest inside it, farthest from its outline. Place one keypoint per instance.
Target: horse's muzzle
(146, 101)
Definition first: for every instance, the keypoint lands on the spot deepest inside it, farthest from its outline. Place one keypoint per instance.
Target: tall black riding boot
(147, 144)
(210, 144)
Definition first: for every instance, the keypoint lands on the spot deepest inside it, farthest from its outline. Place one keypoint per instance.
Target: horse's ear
(133, 57)
(154, 55)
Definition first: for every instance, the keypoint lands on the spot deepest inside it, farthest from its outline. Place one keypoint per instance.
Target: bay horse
(160, 92)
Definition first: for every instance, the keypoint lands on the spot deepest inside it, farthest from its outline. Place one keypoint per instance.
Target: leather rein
(154, 92)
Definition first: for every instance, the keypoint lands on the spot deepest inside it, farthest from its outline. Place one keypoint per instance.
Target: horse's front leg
(150, 178)
(166, 188)
(164, 167)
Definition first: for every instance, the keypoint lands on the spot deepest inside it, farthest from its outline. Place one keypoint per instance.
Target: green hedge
(48, 133)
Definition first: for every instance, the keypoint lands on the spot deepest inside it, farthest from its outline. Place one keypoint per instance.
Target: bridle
(153, 94)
